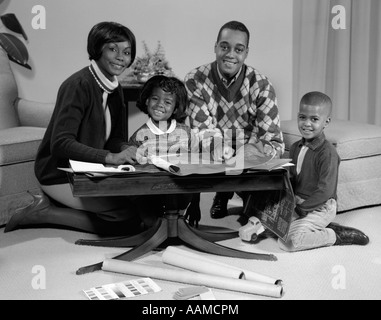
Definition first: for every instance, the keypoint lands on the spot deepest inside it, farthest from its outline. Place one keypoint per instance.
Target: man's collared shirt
(226, 82)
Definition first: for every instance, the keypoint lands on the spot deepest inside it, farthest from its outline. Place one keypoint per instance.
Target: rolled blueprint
(198, 263)
(163, 164)
(193, 262)
(194, 278)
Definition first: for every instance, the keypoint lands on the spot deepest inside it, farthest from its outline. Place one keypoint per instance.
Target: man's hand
(252, 150)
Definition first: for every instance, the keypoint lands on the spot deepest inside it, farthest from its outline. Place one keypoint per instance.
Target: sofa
(22, 126)
(359, 147)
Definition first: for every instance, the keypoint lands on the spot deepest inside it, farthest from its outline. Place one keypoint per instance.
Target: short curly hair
(317, 98)
(106, 32)
(236, 26)
(170, 85)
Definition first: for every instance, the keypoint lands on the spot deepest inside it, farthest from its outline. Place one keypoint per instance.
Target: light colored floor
(41, 264)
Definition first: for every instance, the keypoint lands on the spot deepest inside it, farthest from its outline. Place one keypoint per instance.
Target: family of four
(223, 97)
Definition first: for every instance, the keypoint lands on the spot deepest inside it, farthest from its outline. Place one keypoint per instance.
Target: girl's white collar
(157, 130)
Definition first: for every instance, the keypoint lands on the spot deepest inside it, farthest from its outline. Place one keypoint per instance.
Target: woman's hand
(128, 155)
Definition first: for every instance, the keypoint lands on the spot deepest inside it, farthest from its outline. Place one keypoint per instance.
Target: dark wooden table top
(162, 182)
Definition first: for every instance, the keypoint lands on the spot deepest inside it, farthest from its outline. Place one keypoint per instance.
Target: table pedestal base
(172, 228)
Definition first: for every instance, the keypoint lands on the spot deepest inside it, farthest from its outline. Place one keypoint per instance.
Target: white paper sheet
(80, 166)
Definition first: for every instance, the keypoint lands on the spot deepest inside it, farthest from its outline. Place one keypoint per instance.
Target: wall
(186, 28)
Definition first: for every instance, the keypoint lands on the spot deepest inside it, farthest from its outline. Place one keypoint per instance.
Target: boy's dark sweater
(317, 181)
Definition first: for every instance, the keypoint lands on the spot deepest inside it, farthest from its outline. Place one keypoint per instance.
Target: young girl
(164, 99)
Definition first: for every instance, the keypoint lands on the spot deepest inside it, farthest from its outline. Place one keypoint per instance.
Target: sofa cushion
(34, 114)
(359, 183)
(19, 144)
(352, 139)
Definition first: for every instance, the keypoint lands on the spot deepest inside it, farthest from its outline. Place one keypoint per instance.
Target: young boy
(314, 178)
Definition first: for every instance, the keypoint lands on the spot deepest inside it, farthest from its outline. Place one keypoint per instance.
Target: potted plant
(13, 46)
(151, 64)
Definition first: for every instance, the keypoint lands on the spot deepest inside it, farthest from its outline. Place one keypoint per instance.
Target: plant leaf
(16, 50)
(13, 24)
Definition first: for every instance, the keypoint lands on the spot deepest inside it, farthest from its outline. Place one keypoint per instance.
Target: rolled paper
(194, 278)
(163, 164)
(194, 262)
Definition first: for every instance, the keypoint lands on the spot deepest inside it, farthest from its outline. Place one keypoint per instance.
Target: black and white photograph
(190, 156)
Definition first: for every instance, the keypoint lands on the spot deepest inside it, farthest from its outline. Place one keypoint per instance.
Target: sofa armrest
(34, 114)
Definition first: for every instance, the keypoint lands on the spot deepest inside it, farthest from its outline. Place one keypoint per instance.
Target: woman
(88, 124)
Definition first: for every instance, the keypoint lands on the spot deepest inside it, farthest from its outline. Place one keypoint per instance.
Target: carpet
(40, 264)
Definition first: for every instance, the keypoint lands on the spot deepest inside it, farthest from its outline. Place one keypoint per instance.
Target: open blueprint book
(192, 164)
(272, 164)
(203, 165)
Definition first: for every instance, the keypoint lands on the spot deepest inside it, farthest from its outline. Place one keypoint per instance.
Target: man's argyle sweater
(252, 107)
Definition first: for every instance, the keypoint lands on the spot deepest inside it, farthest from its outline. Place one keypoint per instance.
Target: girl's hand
(228, 153)
(220, 153)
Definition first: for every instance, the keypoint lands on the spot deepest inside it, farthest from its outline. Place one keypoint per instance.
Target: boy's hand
(300, 212)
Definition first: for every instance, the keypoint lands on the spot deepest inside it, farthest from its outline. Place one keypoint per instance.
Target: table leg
(212, 234)
(90, 268)
(176, 227)
(122, 242)
(156, 236)
(197, 241)
(159, 236)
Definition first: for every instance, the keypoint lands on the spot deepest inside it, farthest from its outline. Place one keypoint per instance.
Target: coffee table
(172, 228)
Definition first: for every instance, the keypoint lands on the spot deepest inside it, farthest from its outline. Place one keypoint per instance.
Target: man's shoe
(348, 236)
(219, 208)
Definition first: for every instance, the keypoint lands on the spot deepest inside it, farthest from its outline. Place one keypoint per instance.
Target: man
(227, 97)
